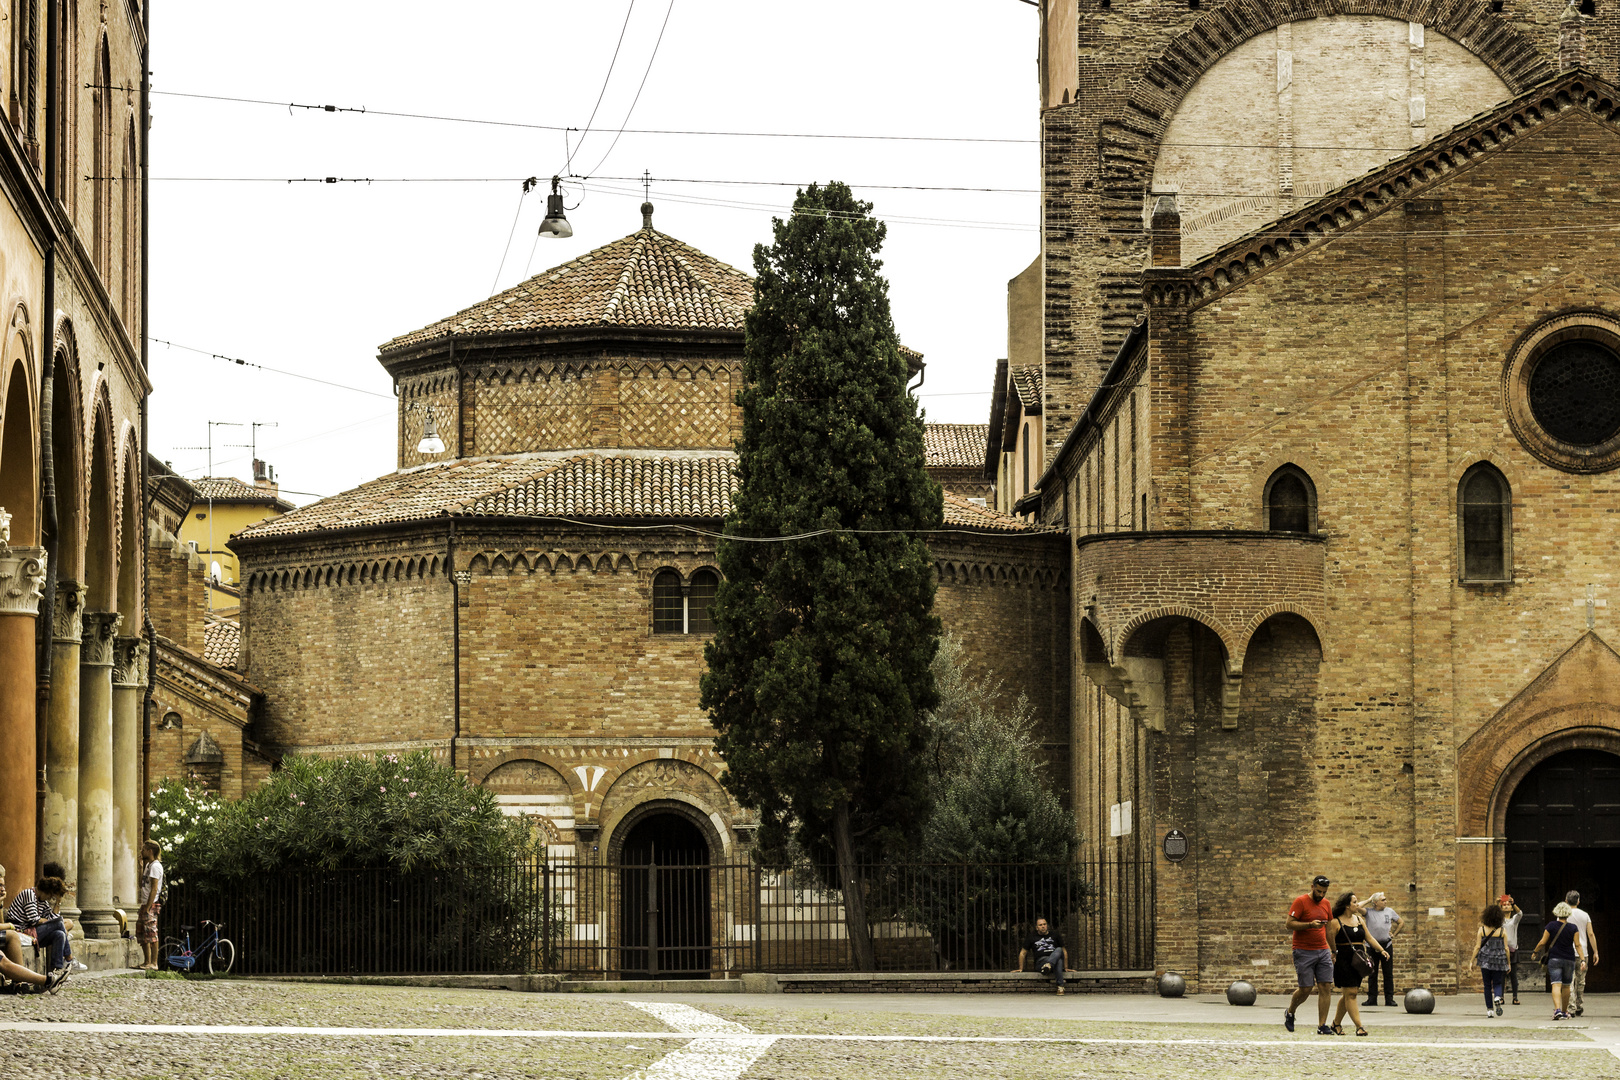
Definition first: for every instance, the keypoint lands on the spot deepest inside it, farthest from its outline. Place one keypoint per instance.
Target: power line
(642, 86)
(364, 111)
(295, 442)
(636, 179)
(262, 367)
(603, 92)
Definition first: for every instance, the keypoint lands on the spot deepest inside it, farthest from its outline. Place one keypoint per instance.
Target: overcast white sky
(311, 278)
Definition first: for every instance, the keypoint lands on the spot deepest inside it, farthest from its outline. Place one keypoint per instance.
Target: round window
(1562, 391)
(1575, 392)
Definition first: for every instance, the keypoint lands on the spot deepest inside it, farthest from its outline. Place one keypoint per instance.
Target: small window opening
(1484, 512)
(1288, 502)
(1588, 7)
(700, 602)
(669, 608)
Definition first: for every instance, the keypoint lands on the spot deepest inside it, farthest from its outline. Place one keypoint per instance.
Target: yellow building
(225, 505)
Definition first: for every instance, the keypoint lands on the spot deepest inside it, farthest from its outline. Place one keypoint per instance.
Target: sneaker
(1046, 969)
(1489, 1013)
(1579, 1009)
(1288, 1021)
(1498, 1006)
(1560, 1014)
(1325, 1030)
(54, 981)
(77, 966)
(1060, 991)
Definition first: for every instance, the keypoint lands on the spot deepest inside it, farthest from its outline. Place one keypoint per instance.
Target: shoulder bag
(1359, 960)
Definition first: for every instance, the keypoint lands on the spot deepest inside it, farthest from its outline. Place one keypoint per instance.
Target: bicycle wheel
(221, 959)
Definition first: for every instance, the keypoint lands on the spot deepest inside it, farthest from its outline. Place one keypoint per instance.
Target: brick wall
(177, 590)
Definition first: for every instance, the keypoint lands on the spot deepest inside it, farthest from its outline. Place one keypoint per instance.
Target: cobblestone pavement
(104, 1028)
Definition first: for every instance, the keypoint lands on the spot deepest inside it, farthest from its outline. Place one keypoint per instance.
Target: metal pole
(652, 913)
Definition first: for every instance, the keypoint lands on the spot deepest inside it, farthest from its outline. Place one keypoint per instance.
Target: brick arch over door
(1158, 92)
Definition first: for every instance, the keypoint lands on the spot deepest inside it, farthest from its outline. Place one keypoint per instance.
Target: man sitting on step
(1050, 955)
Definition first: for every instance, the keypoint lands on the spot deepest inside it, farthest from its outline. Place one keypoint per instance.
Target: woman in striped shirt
(17, 977)
(34, 912)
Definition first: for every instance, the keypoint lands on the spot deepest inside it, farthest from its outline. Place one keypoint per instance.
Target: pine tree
(818, 673)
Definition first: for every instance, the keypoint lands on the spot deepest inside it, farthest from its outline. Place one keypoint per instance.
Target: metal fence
(690, 920)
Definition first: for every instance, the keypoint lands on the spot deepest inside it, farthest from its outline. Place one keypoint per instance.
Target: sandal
(1338, 1029)
(1361, 1031)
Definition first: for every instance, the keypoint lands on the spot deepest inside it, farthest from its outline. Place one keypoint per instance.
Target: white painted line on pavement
(687, 1020)
(706, 1058)
(663, 1036)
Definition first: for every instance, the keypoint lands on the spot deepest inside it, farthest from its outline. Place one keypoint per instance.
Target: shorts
(1313, 966)
(1561, 971)
(149, 929)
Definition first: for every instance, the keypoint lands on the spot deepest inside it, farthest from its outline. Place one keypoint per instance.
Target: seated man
(18, 978)
(1050, 955)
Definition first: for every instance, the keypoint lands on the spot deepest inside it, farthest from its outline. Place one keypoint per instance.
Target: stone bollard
(1240, 993)
(1172, 985)
(1419, 1000)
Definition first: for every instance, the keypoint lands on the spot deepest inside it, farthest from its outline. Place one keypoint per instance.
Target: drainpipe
(148, 628)
(455, 638)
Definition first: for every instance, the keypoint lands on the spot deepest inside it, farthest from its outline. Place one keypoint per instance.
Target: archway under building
(1563, 833)
(665, 898)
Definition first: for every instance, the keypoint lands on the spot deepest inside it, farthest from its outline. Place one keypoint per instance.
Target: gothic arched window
(669, 608)
(700, 602)
(1290, 501)
(1484, 523)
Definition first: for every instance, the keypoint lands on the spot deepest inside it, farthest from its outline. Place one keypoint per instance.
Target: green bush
(406, 812)
(176, 813)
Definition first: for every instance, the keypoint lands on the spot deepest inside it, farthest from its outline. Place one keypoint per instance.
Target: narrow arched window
(1290, 501)
(1484, 502)
(1026, 459)
(669, 610)
(700, 602)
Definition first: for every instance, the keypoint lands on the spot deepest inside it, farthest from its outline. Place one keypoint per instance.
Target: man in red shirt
(1308, 919)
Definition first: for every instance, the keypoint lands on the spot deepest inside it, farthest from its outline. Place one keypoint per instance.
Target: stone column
(128, 690)
(22, 577)
(96, 773)
(60, 835)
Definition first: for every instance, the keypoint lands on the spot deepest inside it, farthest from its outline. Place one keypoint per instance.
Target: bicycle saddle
(187, 929)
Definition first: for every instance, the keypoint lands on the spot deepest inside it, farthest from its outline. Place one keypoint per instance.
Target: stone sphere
(1240, 993)
(1172, 985)
(1419, 1001)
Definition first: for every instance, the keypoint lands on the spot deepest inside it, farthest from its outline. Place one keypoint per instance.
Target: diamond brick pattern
(533, 415)
(657, 410)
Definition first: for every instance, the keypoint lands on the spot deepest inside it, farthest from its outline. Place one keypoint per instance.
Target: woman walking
(1562, 946)
(1491, 954)
(1347, 934)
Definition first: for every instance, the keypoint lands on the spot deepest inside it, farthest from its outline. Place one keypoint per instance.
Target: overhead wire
(639, 88)
(264, 367)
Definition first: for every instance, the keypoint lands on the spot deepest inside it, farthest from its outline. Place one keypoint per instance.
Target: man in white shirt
(1383, 923)
(1583, 923)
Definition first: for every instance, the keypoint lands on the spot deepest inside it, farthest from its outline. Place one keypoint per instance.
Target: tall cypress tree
(818, 673)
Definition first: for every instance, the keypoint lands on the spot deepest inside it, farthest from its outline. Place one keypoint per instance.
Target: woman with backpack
(1562, 946)
(1491, 954)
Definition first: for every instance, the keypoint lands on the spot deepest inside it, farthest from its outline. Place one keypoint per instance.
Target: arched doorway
(1563, 833)
(664, 897)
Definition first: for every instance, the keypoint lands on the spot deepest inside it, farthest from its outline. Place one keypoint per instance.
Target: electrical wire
(603, 92)
(642, 86)
(362, 110)
(635, 179)
(1034, 530)
(513, 232)
(262, 367)
(293, 442)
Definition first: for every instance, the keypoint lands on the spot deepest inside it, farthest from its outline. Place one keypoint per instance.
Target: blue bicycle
(214, 951)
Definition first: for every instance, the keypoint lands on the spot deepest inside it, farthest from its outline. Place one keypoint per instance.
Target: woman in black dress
(1347, 936)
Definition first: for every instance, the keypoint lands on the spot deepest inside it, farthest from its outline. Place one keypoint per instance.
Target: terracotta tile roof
(230, 489)
(963, 513)
(1029, 381)
(609, 484)
(955, 446)
(644, 279)
(602, 486)
(222, 643)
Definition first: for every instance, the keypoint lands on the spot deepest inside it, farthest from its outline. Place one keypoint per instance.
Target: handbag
(1360, 962)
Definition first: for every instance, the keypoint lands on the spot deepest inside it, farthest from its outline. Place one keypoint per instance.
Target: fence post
(652, 916)
(545, 916)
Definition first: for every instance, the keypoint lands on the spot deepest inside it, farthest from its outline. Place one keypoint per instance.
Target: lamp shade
(556, 222)
(431, 443)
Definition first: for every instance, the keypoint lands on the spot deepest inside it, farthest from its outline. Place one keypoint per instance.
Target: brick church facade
(1330, 365)
(531, 604)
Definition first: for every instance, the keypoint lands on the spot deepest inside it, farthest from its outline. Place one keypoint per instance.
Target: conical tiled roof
(646, 279)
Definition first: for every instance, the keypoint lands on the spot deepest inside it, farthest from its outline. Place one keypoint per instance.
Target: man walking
(1583, 924)
(1050, 955)
(1313, 963)
(1513, 915)
(1383, 923)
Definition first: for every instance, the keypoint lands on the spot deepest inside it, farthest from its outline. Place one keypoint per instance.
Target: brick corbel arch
(1312, 618)
(1234, 656)
(1158, 91)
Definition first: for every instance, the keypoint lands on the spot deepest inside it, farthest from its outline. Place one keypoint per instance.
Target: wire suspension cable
(642, 86)
(263, 367)
(603, 92)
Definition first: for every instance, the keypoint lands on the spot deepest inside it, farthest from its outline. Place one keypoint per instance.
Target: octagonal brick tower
(636, 345)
